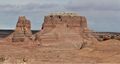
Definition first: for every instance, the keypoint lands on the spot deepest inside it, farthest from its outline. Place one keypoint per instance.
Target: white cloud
(102, 15)
(94, 5)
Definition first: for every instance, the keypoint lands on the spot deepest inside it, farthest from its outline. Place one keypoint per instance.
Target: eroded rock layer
(22, 31)
(65, 30)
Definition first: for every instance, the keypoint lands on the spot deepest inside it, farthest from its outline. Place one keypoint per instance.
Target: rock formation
(22, 31)
(65, 30)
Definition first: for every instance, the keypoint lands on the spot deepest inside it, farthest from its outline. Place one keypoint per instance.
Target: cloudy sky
(102, 15)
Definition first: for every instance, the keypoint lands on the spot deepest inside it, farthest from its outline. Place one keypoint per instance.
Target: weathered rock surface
(65, 30)
(60, 31)
(23, 30)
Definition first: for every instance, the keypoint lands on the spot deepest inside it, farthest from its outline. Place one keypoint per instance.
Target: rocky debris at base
(107, 37)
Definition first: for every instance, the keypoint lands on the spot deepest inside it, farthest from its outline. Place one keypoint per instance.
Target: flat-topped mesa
(23, 30)
(70, 20)
(67, 29)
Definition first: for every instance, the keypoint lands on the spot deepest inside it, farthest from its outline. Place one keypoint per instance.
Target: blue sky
(102, 15)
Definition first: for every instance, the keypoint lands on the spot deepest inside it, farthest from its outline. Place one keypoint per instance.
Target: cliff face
(72, 22)
(64, 23)
(23, 30)
(65, 30)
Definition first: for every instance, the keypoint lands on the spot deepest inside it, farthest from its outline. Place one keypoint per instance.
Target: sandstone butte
(63, 39)
(60, 30)
(65, 30)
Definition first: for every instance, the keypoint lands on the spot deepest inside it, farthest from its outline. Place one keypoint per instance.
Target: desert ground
(104, 52)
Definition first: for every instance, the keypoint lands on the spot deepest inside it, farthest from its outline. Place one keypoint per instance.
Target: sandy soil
(103, 52)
